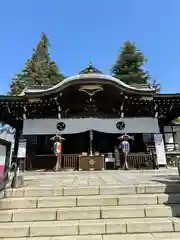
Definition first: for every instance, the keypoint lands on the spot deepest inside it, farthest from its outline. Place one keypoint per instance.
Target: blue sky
(82, 31)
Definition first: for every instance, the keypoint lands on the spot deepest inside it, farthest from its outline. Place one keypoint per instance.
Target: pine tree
(39, 70)
(129, 66)
(19, 82)
(16, 88)
(53, 74)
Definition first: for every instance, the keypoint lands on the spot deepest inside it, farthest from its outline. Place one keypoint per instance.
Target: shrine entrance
(76, 143)
(80, 142)
(101, 142)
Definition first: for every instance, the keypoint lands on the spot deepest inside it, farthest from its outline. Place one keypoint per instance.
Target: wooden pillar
(17, 180)
(174, 139)
(90, 142)
(161, 128)
(16, 144)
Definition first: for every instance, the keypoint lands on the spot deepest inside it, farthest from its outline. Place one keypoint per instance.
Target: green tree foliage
(39, 70)
(129, 65)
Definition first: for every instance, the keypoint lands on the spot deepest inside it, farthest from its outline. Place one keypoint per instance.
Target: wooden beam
(58, 107)
(24, 112)
(59, 112)
(122, 106)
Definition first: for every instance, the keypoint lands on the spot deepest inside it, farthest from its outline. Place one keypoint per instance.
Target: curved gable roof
(96, 78)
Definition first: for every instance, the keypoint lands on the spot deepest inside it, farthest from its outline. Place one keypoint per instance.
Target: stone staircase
(143, 212)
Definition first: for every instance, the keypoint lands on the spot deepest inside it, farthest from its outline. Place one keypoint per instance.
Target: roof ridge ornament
(90, 69)
(90, 64)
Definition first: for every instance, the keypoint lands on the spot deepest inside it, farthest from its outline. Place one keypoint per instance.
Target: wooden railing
(138, 160)
(70, 161)
(135, 160)
(170, 147)
(141, 160)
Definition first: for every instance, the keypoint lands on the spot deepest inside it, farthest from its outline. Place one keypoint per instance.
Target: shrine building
(91, 111)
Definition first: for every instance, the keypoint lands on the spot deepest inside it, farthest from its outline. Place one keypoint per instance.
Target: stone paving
(97, 178)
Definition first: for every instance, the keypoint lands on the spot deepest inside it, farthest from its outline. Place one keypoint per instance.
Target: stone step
(79, 213)
(77, 237)
(80, 201)
(93, 190)
(91, 227)
(142, 236)
(164, 236)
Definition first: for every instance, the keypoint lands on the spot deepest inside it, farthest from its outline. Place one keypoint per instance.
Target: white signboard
(2, 159)
(160, 151)
(22, 149)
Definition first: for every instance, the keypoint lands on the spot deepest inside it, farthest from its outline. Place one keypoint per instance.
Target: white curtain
(48, 126)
